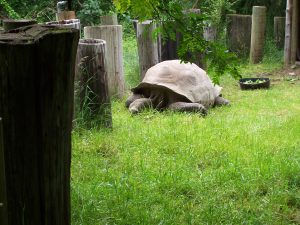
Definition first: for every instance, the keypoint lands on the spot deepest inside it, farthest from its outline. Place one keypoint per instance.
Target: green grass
(238, 165)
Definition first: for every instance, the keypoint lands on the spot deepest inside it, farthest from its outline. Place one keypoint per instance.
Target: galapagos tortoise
(176, 86)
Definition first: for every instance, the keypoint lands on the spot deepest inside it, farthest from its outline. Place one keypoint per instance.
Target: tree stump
(239, 33)
(112, 34)
(14, 24)
(109, 20)
(210, 33)
(73, 23)
(147, 46)
(91, 81)
(279, 31)
(65, 15)
(170, 47)
(3, 201)
(36, 104)
(258, 34)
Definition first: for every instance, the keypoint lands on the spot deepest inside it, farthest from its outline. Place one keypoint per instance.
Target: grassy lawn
(237, 165)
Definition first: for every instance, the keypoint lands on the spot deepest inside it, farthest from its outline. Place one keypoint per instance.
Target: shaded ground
(285, 74)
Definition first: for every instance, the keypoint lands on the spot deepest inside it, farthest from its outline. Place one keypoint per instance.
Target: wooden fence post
(36, 104)
(91, 80)
(14, 24)
(73, 23)
(3, 199)
(279, 30)
(112, 34)
(147, 46)
(239, 33)
(258, 34)
(109, 19)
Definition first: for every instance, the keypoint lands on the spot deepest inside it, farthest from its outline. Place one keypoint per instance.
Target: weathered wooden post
(279, 30)
(3, 200)
(91, 79)
(73, 23)
(109, 19)
(112, 34)
(258, 34)
(63, 12)
(9, 24)
(36, 104)
(288, 31)
(147, 46)
(239, 33)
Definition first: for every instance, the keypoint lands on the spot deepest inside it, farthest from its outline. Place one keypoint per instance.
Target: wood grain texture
(147, 46)
(258, 33)
(295, 31)
(65, 15)
(288, 30)
(109, 19)
(239, 33)
(36, 104)
(14, 24)
(3, 200)
(112, 34)
(279, 31)
(91, 80)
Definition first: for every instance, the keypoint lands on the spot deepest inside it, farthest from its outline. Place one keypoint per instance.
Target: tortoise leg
(219, 101)
(132, 98)
(139, 104)
(188, 107)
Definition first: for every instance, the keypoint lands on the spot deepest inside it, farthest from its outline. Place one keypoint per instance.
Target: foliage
(9, 10)
(90, 11)
(173, 17)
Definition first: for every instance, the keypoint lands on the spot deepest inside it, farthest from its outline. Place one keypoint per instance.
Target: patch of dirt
(286, 74)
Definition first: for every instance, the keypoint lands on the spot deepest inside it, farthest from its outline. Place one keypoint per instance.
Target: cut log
(36, 104)
(62, 6)
(279, 30)
(109, 20)
(239, 34)
(65, 15)
(288, 29)
(74, 23)
(112, 34)
(170, 47)
(91, 82)
(14, 24)
(147, 46)
(210, 33)
(295, 29)
(258, 34)
(3, 201)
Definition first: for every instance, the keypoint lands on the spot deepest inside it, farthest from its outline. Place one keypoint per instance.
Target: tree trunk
(91, 80)
(170, 47)
(109, 20)
(295, 29)
(288, 28)
(36, 104)
(3, 201)
(14, 24)
(279, 29)
(147, 46)
(239, 33)
(65, 15)
(258, 34)
(210, 33)
(112, 34)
